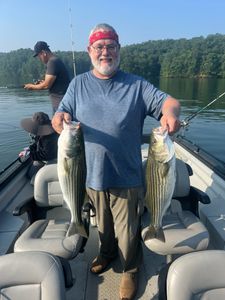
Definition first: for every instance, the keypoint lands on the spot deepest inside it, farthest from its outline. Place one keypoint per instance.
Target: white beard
(107, 69)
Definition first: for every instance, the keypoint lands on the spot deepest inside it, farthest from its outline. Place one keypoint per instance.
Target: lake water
(207, 130)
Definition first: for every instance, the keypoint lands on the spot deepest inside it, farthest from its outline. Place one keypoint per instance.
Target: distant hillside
(19, 67)
(196, 57)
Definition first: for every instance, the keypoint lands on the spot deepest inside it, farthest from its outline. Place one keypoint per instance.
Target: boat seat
(197, 276)
(31, 275)
(183, 230)
(35, 167)
(49, 219)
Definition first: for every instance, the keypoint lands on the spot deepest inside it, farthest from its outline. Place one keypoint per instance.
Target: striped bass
(160, 181)
(71, 168)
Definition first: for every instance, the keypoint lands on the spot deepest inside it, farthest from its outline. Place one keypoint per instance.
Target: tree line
(196, 57)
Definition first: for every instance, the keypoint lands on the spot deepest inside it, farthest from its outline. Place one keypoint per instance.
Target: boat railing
(12, 170)
(208, 159)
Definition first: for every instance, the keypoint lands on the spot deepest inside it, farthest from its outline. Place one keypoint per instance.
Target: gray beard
(107, 70)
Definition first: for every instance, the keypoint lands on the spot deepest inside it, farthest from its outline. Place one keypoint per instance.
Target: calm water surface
(16, 104)
(207, 130)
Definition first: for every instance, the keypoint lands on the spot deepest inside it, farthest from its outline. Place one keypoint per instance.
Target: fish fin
(160, 235)
(65, 164)
(153, 233)
(77, 229)
(165, 169)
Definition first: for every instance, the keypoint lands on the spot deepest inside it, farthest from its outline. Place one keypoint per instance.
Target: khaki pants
(118, 214)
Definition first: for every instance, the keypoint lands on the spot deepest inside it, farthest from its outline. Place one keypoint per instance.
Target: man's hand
(41, 84)
(170, 119)
(170, 122)
(25, 152)
(29, 86)
(57, 120)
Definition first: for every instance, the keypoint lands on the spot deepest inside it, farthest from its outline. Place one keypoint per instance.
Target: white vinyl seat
(49, 219)
(183, 230)
(31, 275)
(199, 275)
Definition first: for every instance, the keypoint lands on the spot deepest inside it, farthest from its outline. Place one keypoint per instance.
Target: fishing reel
(37, 81)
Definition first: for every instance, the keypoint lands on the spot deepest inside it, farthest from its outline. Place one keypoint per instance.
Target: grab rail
(12, 170)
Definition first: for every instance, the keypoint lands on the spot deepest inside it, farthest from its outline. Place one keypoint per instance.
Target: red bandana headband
(100, 35)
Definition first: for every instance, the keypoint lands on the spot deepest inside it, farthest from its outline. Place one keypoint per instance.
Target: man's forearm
(171, 106)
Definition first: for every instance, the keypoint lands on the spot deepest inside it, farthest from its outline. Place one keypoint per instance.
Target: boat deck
(105, 286)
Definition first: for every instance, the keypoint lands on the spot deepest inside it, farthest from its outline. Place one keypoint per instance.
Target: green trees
(196, 57)
(18, 67)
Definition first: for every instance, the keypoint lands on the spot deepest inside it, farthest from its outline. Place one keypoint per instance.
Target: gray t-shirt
(56, 67)
(112, 113)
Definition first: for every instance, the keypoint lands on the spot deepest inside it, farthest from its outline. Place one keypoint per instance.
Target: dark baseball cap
(39, 46)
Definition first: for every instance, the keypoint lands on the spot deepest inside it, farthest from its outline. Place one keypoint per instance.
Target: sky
(65, 24)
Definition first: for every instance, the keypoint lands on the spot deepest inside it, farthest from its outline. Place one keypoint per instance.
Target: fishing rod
(186, 121)
(71, 37)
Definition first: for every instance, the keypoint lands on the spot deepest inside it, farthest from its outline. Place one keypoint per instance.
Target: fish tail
(77, 229)
(71, 230)
(82, 231)
(153, 233)
(150, 233)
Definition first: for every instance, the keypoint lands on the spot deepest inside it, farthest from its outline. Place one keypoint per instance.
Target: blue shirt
(112, 113)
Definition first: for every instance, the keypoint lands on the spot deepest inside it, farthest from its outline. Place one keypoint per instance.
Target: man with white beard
(111, 106)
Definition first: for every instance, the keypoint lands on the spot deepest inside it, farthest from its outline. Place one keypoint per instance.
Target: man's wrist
(172, 112)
